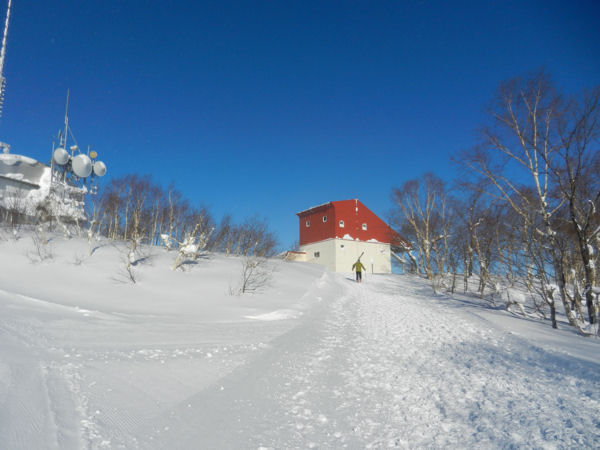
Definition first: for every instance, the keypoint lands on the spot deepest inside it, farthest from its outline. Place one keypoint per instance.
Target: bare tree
(255, 274)
(421, 215)
(14, 211)
(94, 225)
(575, 169)
(533, 135)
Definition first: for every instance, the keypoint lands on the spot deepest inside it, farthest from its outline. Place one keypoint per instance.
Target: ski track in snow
(379, 369)
(375, 365)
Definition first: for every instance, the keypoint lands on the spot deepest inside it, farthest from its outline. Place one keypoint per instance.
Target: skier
(358, 266)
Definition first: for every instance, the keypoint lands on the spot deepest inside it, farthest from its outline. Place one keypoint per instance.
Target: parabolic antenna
(82, 166)
(60, 156)
(99, 168)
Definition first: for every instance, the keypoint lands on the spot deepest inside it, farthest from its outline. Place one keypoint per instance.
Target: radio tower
(2, 55)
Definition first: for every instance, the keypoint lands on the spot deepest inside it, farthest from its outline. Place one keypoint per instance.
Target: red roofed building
(335, 234)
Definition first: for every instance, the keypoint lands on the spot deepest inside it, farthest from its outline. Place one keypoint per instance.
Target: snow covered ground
(89, 360)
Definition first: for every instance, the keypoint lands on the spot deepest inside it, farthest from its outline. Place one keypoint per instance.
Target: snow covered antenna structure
(2, 55)
(73, 174)
(32, 186)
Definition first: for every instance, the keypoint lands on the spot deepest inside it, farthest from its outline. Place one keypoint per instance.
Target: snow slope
(314, 360)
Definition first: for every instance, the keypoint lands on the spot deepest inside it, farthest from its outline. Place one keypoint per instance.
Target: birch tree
(521, 154)
(575, 171)
(420, 214)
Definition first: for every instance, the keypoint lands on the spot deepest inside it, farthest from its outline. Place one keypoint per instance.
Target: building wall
(345, 219)
(322, 252)
(376, 257)
(338, 255)
(359, 222)
(317, 230)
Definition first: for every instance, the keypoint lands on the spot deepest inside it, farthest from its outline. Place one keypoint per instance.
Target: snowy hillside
(89, 359)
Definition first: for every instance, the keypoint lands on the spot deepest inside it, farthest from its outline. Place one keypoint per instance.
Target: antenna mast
(63, 141)
(2, 55)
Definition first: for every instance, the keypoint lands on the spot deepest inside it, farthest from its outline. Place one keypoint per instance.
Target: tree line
(525, 209)
(134, 207)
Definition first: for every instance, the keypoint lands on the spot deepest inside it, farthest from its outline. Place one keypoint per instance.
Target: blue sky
(269, 107)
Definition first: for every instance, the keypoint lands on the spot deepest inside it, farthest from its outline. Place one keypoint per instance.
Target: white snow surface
(10, 159)
(23, 168)
(314, 360)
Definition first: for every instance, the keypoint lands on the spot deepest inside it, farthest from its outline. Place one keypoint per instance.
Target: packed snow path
(376, 365)
(384, 365)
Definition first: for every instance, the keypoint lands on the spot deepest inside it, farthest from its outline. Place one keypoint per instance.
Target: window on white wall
(341, 224)
(364, 226)
(307, 223)
(324, 218)
(317, 254)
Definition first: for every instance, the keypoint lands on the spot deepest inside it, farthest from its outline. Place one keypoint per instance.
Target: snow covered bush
(166, 241)
(191, 246)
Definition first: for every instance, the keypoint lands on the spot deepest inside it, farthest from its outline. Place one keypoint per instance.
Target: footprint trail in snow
(383, 366)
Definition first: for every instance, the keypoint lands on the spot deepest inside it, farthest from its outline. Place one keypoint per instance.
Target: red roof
(345, 219)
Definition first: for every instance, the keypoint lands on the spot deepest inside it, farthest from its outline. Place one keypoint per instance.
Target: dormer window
(324, 219)
(364, 227)
(341, 224)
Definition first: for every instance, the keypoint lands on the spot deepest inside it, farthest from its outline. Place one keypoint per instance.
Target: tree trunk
(560, 279)
(590, 276)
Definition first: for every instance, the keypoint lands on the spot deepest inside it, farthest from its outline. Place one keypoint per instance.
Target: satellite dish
(60, 156)
(82, 166)
(99, 168)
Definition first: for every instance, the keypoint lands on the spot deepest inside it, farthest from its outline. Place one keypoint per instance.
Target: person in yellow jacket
(358, 267)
